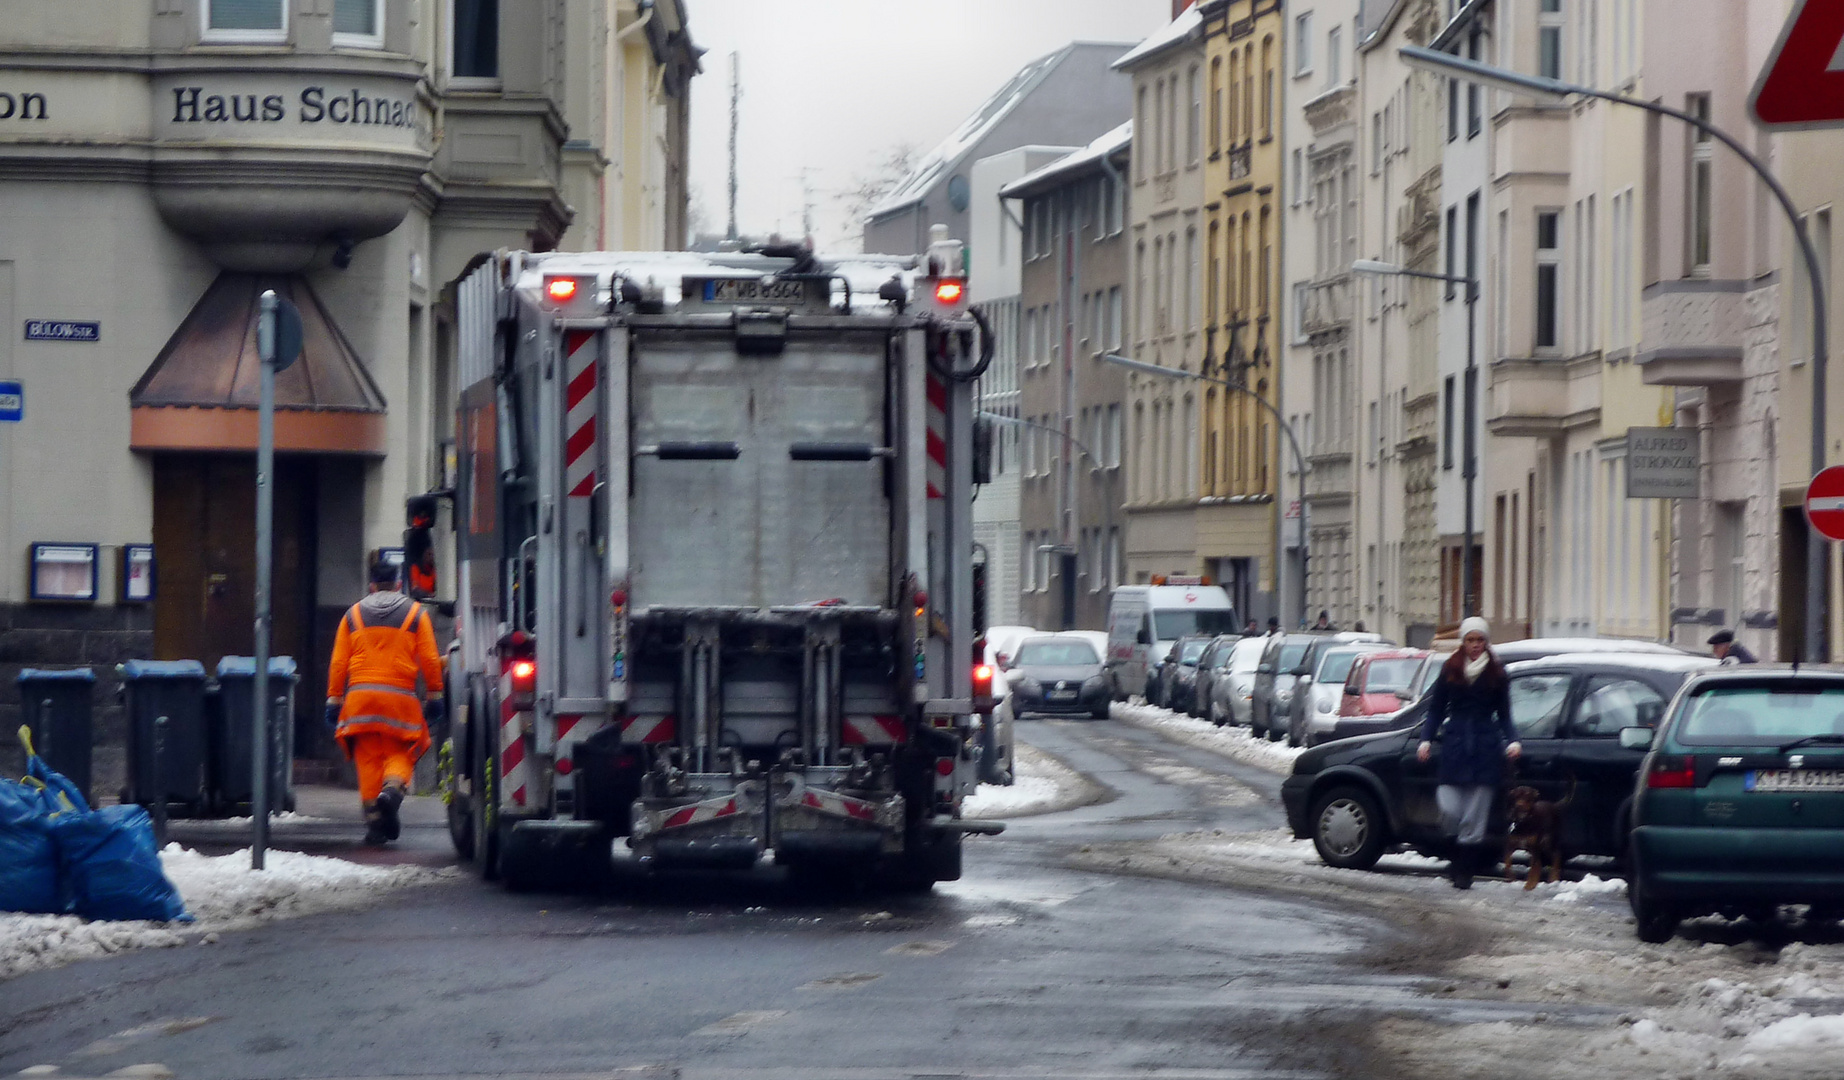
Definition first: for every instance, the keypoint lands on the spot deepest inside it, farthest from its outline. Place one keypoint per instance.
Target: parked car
(1209, 665)
(1741, 803)
(1274, 679)
(1178, 680)
(1144, 620)
(1233, 685)
(1316, 701)
(1357, 798)
(1155, 676)
(1058, 673)
(1292, 719)
(1002, 641)
(1384, 681)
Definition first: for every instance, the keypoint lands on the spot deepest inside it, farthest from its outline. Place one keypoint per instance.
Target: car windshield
(1247, 654)
(1722, 716)
(1186, 621)
(1387, 676)
(1057, 653)
(1430, 672)
(1191, 650)
(1290, 656)
(1335, 665)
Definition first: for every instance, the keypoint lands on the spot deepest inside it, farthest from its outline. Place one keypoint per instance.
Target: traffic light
(419, 547)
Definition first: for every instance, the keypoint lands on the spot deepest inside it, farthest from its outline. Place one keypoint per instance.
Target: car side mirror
(1143, 637)
(1302, 672)
(1265, 669)
(1352, 691)
(1405, 695)
(1637, 738)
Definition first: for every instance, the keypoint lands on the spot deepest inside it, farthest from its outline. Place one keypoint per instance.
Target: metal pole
(1469, 601)
(265, 523)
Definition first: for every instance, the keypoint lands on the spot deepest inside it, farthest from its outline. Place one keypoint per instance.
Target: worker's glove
(1514, 750)
(332, 717)
(1424, 751)
(434, 710)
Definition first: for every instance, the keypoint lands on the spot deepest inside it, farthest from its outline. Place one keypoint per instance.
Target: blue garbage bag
(28, 857)
(110, 868)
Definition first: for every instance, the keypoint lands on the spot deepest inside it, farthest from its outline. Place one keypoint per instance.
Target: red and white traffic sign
(1802, 85)
(1825, 502)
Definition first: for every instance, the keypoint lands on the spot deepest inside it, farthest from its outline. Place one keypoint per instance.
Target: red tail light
(561, 290)
(1672, 772)
(982, 680)
(944, 766)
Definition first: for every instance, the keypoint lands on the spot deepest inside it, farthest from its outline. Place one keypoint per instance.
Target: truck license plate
(754, 290)
(1796, 780)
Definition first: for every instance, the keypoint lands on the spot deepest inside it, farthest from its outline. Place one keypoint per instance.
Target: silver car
(1318, 712)
(1233, 683)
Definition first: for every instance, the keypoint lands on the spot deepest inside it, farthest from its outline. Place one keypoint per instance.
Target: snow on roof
(1110, 143)
(970, 133)
(1646, 660)
(1175, 32)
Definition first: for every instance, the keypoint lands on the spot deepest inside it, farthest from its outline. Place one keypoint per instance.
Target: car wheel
(1099, 712)
(1349, 829)
(1273, 733)
(1657, 920)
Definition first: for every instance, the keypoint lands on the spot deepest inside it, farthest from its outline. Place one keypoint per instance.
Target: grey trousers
(1464, 810)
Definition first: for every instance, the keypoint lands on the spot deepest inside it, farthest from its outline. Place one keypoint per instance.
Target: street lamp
(1069, 615)
(1299, 460)
(1818, 600)
(1469, 458)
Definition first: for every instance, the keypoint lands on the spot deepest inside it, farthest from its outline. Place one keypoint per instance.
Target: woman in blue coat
(1473, 697)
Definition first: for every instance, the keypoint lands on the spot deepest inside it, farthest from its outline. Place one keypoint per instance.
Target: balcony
(1543, 399)
(1326, 305)
(1239, 162)
(1329, 476)
(1692, 332)
(1330, 109)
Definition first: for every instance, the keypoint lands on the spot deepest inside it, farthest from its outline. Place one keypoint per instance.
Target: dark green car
(1740, 803)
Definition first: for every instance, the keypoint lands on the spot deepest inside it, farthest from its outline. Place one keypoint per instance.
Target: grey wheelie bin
(56, 706)
(232, 735)
(166, 734)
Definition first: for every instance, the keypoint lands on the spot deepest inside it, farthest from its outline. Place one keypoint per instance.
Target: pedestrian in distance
(1473, 696)
(1274, 624)
(385, 645)
(1252, 629)
(1728, 650)
(1325, 621)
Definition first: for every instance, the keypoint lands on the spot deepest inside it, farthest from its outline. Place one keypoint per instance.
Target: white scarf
(1472, 669)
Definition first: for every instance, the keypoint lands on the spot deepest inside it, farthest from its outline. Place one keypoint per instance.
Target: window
(244, 20)
(1536, 704)
(1453, 246)
(1114, 317)
(1473, 111)
(1549, 39)
(1303, 43)
(1334, 57)
(358, 23)
(1216, 106)
(1028, 564)
(1453, 109)
(1697, 186)
(1141, 123)
(1549, 258)
(1447, 433)
(1195, 118)
(1190, 305)
(1267, 88)
(1110, 450)
(1472, 238)
(1299, 178)
(476, 39)
(1612, 702)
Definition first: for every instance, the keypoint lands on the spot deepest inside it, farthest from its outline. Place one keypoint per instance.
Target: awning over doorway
(201, 392)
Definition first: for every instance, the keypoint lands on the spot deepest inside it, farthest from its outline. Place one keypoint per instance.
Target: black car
(1178, 675)
(1058, 673)
(1213, 660)
(1358, 798)
(1155, 676)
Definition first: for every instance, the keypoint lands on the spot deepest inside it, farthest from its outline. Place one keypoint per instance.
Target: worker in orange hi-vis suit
(385, 644)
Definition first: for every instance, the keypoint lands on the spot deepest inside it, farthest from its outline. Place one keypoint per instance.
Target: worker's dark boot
(1460, 869)
(390, 800)
(374, 826)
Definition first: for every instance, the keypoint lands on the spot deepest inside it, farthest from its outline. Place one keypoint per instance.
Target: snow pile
(1040, 784)
(1802, 1032)
(1235, 743)
(1588, 890)
(221, 892)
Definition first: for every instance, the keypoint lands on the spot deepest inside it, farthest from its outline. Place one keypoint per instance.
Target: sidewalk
(328, 820)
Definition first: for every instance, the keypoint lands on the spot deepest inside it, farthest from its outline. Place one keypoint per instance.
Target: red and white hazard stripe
(937, 435)
(699, 813)
(579, 455)
(513, 770)
(872, 731)
(648, 729)
(831, 802)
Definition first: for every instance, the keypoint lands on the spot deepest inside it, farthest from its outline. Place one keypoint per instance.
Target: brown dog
(1536, 828)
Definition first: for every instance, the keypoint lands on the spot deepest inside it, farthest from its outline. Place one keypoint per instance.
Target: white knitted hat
(1475, 625)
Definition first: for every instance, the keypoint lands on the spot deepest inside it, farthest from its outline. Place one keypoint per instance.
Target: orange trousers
(379, 757)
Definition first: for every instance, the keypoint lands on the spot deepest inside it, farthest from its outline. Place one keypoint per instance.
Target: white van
(1144, 620)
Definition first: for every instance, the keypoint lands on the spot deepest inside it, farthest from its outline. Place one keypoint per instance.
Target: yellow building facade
(1237, 517)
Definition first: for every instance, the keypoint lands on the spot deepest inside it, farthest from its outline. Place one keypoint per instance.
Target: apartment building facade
(1073, 294)
(178, 157)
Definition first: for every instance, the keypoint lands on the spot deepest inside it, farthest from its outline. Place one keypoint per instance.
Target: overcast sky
(831, 86)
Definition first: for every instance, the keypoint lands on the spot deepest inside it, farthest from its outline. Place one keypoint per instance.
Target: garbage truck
(712, 548)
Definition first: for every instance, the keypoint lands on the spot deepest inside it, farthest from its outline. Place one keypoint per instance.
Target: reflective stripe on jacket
(377, 660)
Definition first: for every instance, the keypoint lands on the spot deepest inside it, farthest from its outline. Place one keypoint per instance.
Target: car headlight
(1325, 706)
(1094, 682)
(1283, 696)
(1028, 685)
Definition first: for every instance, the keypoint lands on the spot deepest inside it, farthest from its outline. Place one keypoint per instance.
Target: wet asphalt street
(1025, 968)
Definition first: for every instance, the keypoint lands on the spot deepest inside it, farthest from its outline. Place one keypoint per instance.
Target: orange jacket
(385, 642)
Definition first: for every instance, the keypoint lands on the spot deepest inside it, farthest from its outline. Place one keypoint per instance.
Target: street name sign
(1825, 502)
(62, 330)
(1662, 463)
(1802, 84)
(12, 402)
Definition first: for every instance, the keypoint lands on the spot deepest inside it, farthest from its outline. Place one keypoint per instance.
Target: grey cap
(1722, 637)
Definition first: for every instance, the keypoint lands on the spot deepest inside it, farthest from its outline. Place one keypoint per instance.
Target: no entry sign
(1825, 502)
(1802, 84)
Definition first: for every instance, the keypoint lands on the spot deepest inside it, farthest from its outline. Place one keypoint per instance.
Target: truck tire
(1349, 829)
(460, 814)
(484, 816)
